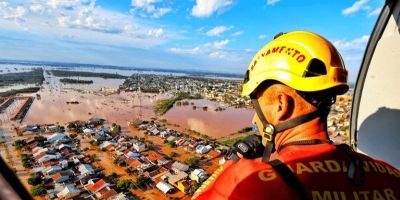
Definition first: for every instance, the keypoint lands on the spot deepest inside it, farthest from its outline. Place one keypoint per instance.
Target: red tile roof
(50, 163)
(213, 154)
(110, 148)
(106, 193)
(154, 156)
(126, 151)
(132, 163)
(40, 156)
(99, 184)
(58, 175)
(87, 159)
(33, 152)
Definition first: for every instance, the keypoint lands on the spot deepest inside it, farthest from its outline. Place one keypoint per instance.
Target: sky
(198, 35)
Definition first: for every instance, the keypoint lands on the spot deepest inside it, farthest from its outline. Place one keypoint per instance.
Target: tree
(113, 177)
(122, 164)
(142, 181)
(38, 190)
(94, 142)
(34, 180)
(130, 171)
(124, 184)
(193, 187)
(172, 154)
(18, 144)
(26, 160)
(171, 144)
(192, 161)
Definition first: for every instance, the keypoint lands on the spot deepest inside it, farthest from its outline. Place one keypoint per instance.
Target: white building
(40, 151)
(139, 146)
(64, 146)
(69, 191)
(49, 157)
(56, 137)
(85, 169)
(165, 134)
(155, 131)
(164, 187)
(52, 170)
(180, 166)
(87, 131)
(106, 144)
(198, 175)
(201, 149)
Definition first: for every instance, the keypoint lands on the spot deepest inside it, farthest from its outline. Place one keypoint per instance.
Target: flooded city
(102, 99)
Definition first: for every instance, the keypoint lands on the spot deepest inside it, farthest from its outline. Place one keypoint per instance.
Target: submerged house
(58, 137)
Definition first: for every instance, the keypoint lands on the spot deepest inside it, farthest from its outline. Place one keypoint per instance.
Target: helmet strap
(270, 130)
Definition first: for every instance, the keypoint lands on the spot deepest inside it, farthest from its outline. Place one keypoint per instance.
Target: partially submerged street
(148, 136)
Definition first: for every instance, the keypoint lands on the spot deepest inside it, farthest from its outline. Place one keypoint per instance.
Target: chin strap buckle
(269, 131)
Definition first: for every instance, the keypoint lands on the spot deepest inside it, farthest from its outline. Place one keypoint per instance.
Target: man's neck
(314, 129)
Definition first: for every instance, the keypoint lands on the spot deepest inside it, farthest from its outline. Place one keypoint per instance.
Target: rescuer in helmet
(293, 81)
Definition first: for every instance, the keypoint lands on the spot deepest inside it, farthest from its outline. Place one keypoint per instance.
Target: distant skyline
(205, 35)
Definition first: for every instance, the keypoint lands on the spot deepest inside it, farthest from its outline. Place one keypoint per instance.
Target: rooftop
(98, 185)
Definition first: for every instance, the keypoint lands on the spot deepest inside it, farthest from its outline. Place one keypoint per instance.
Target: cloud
(193, 50)
(218, 30)
(357, 57)
(66, 4)
(358, 5)
(144, 3)
(355, 44)
(90, 18)
(81, 20)
(210, 49)
(262, 36)
(9, 12)
(375, 12)
(272, 2)
(220, 44)
(36, 8)
(148, 8)
(217, 54)
(205, 8)
(156, 32)
(237, 33)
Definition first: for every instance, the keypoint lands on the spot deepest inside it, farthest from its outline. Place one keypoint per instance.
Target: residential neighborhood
(64, 163)
(226, 91)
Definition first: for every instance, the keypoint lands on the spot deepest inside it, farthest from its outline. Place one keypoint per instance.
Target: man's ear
(285, 106)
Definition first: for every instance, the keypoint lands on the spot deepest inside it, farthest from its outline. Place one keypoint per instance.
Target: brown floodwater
(52, 107)
(210, 122)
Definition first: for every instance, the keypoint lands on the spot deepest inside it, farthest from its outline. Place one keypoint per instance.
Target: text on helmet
(289, 51)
